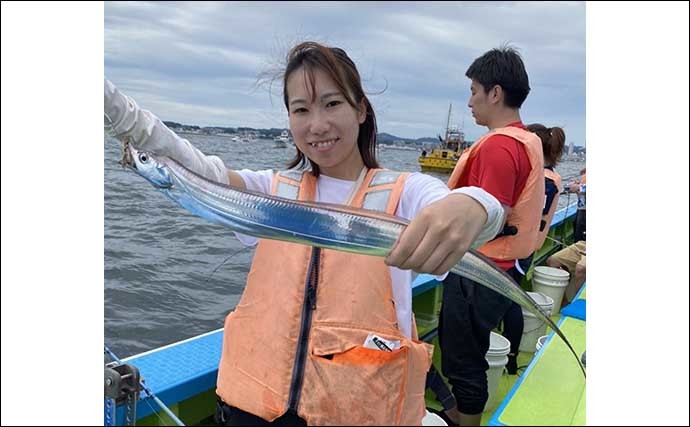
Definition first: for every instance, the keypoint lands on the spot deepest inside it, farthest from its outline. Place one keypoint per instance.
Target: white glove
(147, 132)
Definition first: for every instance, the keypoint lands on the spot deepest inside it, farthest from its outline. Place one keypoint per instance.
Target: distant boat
(401, 147)
(444, 158)
(248, 137)
(282, 140)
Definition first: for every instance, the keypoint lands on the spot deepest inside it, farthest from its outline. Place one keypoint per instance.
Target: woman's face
(326, 129)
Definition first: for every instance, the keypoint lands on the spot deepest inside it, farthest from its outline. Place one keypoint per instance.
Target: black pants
(436, 384)
(468, 314)
(580, 225)
(231, 416)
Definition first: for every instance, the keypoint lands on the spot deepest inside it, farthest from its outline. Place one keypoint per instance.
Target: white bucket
(534, 328)
(541, 341)
(497, 356)
(552, 282)
(431, 419)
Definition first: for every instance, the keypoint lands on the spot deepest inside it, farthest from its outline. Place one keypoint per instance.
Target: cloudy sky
(198, 62)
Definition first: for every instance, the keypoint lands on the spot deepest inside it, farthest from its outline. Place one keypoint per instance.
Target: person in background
(508, 163)
(553, 143)
(320, 336)
(580, 187)
(573, 259)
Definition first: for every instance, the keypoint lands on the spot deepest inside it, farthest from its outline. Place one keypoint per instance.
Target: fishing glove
(124, 118)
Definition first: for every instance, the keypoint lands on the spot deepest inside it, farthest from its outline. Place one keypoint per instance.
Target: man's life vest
(522, 225)
(316, 329)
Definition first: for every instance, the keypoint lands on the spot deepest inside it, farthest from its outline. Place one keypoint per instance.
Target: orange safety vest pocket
(348, 376)
(247, 376)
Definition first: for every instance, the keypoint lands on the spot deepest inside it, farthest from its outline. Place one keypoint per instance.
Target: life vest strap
(508, 230)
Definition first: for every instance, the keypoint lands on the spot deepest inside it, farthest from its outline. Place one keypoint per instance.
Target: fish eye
(143, 158)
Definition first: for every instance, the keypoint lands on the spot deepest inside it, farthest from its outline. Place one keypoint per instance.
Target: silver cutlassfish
(315, 224)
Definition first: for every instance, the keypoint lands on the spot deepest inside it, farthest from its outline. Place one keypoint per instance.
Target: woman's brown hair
(552, 142)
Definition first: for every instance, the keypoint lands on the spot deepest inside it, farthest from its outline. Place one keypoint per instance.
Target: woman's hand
(439, 235)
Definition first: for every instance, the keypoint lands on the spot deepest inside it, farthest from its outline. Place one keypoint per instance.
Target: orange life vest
(546, 219)
(296, 338)
(526, 214)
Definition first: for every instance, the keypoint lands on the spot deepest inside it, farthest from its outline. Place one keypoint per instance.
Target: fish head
(150, 166)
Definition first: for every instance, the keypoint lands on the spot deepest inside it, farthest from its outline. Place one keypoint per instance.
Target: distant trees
(383, 138)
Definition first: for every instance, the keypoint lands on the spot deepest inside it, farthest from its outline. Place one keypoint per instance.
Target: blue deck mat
(576, 309)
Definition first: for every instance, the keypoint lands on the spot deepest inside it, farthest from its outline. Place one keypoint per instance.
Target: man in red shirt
(508, 163)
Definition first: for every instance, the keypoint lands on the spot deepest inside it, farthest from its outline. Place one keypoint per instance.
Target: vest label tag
(377, 343)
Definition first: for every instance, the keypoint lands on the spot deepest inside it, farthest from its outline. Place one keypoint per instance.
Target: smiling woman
(314, 306)
(325, 126)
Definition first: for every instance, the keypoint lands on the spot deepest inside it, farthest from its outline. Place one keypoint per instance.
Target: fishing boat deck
(178, 372)
(534, 399)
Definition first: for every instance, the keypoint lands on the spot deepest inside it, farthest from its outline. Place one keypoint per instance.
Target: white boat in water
(401, 147)
(248, 137)
(282, 140)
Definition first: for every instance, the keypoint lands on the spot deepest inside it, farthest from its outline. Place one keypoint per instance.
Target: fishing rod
(565, 246)
(147, 390)
(226, 260)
